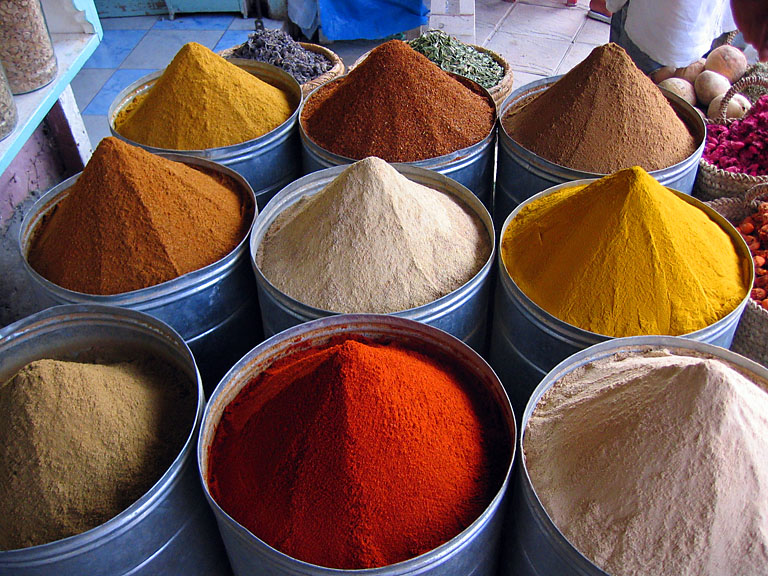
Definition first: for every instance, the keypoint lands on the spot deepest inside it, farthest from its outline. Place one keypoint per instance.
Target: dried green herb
(453, 55)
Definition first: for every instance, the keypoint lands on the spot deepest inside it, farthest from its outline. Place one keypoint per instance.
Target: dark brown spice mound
(602, 116)
(399, 106)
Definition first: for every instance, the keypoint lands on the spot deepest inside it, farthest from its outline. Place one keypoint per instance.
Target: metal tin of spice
(523, 173)
(472, 166)
(214, 308)
(534, 546)
(462, 313)
(169, 528)
(527, 341)
(473, 551)
(268, 163)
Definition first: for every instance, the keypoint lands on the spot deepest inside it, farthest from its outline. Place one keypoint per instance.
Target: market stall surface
(538, 38)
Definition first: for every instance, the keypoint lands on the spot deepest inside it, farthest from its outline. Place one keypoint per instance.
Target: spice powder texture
(134, 220)
(625, 256)
(373, 241)
(357, 454)
(602, 116)
(79, 443)
(656, 463)
(202, 101)
(398, 106)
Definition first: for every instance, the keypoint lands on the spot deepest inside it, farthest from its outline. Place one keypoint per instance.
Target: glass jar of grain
(26, 49)
(8, 114)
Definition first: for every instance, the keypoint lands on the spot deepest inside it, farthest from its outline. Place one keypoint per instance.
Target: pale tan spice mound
(202, 101)
(134, 220)
(398, 106)
(625, 256)
(602, 116)
(373, 241)
(656, 463)
(79, 443)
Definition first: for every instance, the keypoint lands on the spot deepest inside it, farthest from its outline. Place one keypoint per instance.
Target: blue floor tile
(231, 38)
(114, 48)
(87, 84)
(158, 47)
(120, 79)
(208, 22)
(97, 128)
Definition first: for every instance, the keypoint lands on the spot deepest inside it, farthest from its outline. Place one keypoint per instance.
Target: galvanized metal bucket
(215, 308)
(462, 313)
(170, 529)
(527, 341)
(472, 166)
(473, 551)
(522, 173)
(533, 545)
(268, 162)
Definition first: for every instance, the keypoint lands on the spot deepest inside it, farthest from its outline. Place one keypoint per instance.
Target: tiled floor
(538, 38)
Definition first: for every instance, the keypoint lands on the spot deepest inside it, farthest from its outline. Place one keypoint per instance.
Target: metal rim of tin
(632, 345)
(173, 288)
(537, 86)
(55, 318)
(321, 178)
(430, 163)
(587, 338)
(263, 71)
(378, 327)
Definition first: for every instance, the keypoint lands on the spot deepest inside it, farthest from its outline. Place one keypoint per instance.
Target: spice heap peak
(134, 219)
(624, 256)
(399, 106)
(373, 241)
(202, 101)
(602, 117)
(656, 463)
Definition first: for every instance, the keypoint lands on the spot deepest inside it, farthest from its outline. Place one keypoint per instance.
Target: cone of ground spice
(81, 442)
(134, 219)
(398, 106)
(202, 101)
(373, 241)
(356, 454)
(602, 116)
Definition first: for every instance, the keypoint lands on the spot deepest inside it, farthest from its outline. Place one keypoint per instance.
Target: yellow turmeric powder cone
(624, 256)
(202, 101)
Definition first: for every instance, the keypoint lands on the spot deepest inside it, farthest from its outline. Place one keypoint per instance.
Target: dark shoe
(599, 16)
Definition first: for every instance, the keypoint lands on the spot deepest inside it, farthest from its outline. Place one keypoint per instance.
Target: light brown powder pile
(79, 443)
(656, 464)
(373, 241)
(602, 116)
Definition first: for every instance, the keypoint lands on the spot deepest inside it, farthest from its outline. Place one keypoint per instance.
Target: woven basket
(498, 92)
(751, 338)
(713, 182)
(336, 69)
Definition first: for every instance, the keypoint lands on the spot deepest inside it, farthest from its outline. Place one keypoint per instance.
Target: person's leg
(619, 36)
(599, 11)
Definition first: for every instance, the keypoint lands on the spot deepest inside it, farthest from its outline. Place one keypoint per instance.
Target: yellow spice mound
(624, 256)
(202, 101)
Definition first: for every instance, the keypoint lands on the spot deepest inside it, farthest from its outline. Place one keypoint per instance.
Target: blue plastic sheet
(304, 14)
(370, 19)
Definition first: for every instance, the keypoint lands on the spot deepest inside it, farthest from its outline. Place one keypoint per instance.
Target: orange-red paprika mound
(358, 454)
